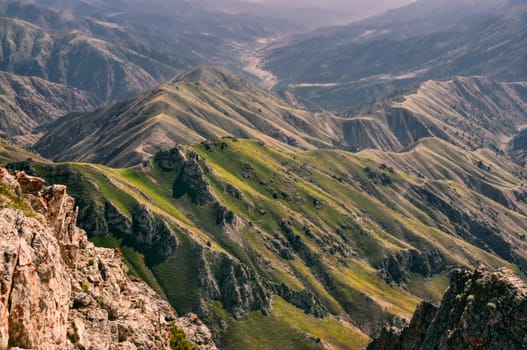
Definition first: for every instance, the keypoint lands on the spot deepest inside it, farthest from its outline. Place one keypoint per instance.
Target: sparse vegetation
(178, 340)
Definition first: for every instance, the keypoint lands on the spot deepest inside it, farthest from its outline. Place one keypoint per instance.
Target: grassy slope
(329, 193)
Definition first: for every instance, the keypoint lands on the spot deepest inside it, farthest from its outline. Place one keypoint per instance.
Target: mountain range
(343, 68)
(386, 165)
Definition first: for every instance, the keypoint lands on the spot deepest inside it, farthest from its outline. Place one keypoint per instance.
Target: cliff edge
(59, 291)
(480, 310)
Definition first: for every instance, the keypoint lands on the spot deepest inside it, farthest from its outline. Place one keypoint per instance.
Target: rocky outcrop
(148, 230)
(197, 332)
(193, 182)
(396, 268)
(480, 310)
(238, 287)
(171, 160)
(304, 300)
(58, 291)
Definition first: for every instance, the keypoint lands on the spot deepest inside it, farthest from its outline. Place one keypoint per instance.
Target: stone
(58, 291)
(480, 310)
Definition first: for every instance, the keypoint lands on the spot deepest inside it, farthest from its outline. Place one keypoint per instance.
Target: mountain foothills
(271, 222)
(346, 67)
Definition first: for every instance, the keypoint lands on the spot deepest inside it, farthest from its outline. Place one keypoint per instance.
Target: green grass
(259, 332)
(107, 190)
(156, 194)
(338, 334)
(179, 278)
(9, 199)
(369, 219)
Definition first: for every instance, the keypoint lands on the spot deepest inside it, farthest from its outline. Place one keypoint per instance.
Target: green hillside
(265, 243)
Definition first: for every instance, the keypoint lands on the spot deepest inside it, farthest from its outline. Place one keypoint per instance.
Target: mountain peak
(213, 77)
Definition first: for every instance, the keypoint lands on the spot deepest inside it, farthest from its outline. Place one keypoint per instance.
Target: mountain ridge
(473, 112)
(199, 104)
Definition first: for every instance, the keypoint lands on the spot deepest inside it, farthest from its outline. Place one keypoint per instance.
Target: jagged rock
(192, 181)
(92, 218)
(241, 289)
(35, 290)
(396, 268)
(304, 300)
(480, 310)
(151, 231)
(9, 181)
(29, 184)
(279, 247)
(117, 221)
(224, 216)
(58, 291)
(197, 332)
(236, 285)
(233, 191)
(172, 160)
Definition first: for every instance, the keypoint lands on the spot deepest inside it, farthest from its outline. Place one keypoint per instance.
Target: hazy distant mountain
(26, 103)
(344, 67)
(118, 49)
(212, 33)
(472, 112)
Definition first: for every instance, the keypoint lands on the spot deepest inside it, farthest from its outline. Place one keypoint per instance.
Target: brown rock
(480, 310)
(58, 291)
(30, 184)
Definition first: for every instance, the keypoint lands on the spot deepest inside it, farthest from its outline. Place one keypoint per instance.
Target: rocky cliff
(58, 291)
(480, 310)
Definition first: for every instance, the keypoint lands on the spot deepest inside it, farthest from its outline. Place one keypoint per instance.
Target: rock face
(236, 285)
(58, 291)
(193, 181)
(480, 310)
(152, 232)
(395, 268)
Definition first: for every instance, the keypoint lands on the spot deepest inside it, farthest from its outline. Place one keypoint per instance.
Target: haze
(357, 7)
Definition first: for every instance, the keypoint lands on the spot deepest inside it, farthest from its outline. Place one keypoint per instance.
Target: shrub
(178, 340)
(102, 270)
